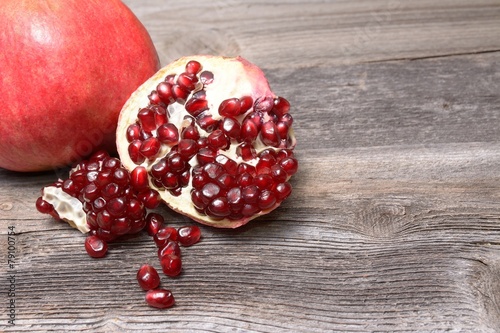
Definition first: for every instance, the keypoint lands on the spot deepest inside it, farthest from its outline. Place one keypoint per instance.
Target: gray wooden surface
(394, 222)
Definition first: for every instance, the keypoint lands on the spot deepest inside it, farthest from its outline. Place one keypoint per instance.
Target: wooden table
(394, 222)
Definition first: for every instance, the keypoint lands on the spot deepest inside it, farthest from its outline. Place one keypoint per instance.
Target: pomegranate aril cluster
(218, 152)
(113, 207)
(168, 241)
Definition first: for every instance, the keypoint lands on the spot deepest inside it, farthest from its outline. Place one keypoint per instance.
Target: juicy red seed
(110, 191)
(265, 161)
(250, 194)
(218, 140)
(150, 198)
(234, 198)
(226, 181)
(168, 133)
(117, 206)
(121, 226)
(263, 104)
(229, 165)
(137, 226)
(134, 151)
(286, 119)
(267, 199)
(133, 132)
(170, 247)
(199, 180)
(139, 178)
(175, 162)
(170, 180)
(95, 247)
(170, 78)
(209, 192)
(263, 181)
(278, 174)
(231, 127)
(290, 165)
(184, 178)
(92, 220)
(165, 92)
(171, 265)
(189, 235)
(269, 134)
(230, 107)
(187, 148)
(246, 104)
(190, 132)
(283, 153)
(202, 142)
(147, 118)
(70, 187)
(111, 163)
(99, 204)
(180, 93)
(103, 178)
(154, 98)
(282, 129)
(154, 222)
(187, 81)
(219, 207)
(206, 77)
(193, 67)
(104, 220)
(160, 115)
(197, 200)
(246, 168)
(150, 147)
(250, 209)
(159, 169)
(205, 155)
(148, 277)
(207, 122)
(282, 191)
(135, 209)
(164, 235)
(249, 131)
(43, 206)
(281, 106)
(246, 151)
(196, 106)
(160, 298)
(105, 235)
(244, 179)
(213, 170)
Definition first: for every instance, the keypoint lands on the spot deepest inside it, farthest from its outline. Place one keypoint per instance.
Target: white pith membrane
(233, 78)
(69, 208)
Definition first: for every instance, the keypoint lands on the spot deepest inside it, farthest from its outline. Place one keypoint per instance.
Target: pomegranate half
(211, 137)
(67, 68)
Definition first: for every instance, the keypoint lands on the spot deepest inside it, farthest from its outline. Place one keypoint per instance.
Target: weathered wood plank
(394, 221)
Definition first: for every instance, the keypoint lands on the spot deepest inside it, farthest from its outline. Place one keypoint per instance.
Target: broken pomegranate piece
(212, 139)
(99, 198)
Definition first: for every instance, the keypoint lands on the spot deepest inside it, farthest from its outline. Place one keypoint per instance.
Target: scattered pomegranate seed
(189, 235)
(160, 298)
(164, 235)
(95, 246)
(171, 265)
(148, 277)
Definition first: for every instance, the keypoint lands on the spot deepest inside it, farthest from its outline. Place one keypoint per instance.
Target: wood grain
(394, 222)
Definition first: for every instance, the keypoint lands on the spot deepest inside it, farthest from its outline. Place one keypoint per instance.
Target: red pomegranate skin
(67, 66)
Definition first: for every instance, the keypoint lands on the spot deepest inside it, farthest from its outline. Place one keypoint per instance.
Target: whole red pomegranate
(67, 67)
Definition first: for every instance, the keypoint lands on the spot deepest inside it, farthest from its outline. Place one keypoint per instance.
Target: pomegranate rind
(69, 208)
(239, 78)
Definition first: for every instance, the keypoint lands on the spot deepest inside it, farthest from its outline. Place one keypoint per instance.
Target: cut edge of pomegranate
(68, 208)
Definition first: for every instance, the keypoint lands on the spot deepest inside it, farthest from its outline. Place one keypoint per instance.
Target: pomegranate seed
(95, 247)
(187, 81)
(267, 199)
(171, 265)
(235, 199)
(170, 78)
(269, 134)
(263, 104)
(134, 151)
(160, 115)
(231, 127)
(228, 164)
(165, 92)
(190, 132)
(137, 226)
(150, 198)
(278, 174)
(148, 277)
(135, 209)
(170, 247)
(193, 67)
(263, 181)
(139, 178)
(147, 119)
(244, 179)
(154, 222)
(154, 98)
(121, 226)
(282, 191)
(180, 93)
(189, 235)
(206, 77)
(282, 129)
(246, 103)
(218, 140)
(290, 165)
(165, 234)
(213, 170)
(160, 298)
(249, 131)
(281, 107)
(205, 155)
(43, 206)
(196, 106)
(133, 132)
(250, 209)
(219, 207)
(187, 148)
(250, 194)
(230, 107)
(150, 147)
(246, 151)
(207, 122)
(286, 119)
(116, 206)
(168, 133)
